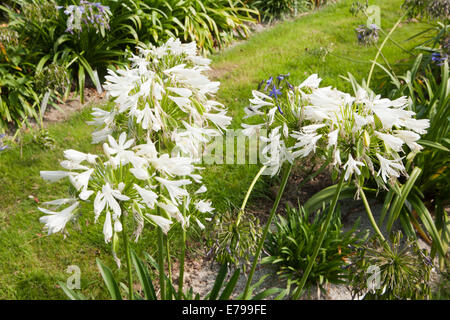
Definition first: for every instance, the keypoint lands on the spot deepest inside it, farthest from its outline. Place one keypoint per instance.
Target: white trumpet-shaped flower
(174, 188)
(161, 222)
(56, 221)
(108, 198)
(148, 196)
(389, 168)
(351, 166)
(78, 157)
(204, 206)
(119, 149)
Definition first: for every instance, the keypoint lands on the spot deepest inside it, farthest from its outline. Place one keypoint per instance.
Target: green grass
(31, 263)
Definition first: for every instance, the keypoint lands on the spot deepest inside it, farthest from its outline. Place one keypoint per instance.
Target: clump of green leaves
(429, 9)
(321, 52)
(53, 77)
(391, 270)
(18, 98)
(291, 245)
(232, 237)
(358, 7)
(275, 9)
(211, 23)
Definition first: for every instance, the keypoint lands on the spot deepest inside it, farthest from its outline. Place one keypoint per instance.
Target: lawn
(31, 263)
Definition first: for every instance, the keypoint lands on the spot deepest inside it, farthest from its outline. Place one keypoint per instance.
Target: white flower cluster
(139, 173)
(360, 132)
(152, 180)
(165, 92)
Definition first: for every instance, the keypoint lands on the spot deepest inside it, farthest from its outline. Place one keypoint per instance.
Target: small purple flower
(2, 147)
(275, 92)
(281, 77)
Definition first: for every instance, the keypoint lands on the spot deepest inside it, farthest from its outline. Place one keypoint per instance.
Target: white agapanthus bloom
(164, 113)
(274, 152)
(119, 150)
(148, 196)
(355, 133)
(78, 157)
(174, 187)
(410, 138)
(164, 89)
(161, 222)
(162, 188)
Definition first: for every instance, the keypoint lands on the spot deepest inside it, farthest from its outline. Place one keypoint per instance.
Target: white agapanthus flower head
(355, 133)
(127, 178)
(164, 112)
(165, 90)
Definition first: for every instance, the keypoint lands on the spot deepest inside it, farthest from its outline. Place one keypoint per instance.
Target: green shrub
(422, 207)
(429, 9)
(273, 9)
(44, 41)
(18, 100)
(211, 23)
(291, 245)
(86, 48)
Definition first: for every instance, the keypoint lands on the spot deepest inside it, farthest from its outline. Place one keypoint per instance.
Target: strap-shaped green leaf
(109, 280)
(427, 221)
(400, 200)
(226, 293)
(219, 281)
(144, 277)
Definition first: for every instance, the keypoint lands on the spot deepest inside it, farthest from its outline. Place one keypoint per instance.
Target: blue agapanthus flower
(2, 147)
(275, 92)
(93, 15)
(439, 58)
(367, 35)
(275, 87)
(269, 82)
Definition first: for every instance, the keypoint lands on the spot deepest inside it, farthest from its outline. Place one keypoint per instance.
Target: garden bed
(33, 265)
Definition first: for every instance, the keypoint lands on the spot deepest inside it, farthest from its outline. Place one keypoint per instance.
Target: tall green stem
(381, 48)
(128, 257)
(169, 267)
(183, 253)
(370, 215)
(321, 237)
(266, 230)
(249, 191)
(162, 280)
